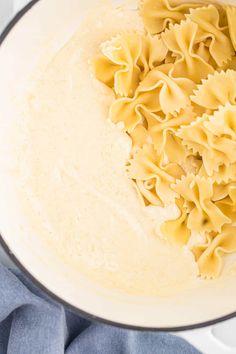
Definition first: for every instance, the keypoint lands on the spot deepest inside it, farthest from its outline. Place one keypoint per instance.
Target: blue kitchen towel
(32, 323)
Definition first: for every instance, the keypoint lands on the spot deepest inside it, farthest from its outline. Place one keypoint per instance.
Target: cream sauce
(77, 183)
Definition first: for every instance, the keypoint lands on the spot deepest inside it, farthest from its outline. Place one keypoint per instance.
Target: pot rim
(78, 311)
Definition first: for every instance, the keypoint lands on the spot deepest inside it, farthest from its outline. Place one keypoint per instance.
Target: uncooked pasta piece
(139, 136)
(231, 17)
(126, 59)
(200, 248)
(220, 191)
(117, 66)
(223, 122)
(147, 192)
(198, 140)
(231, 64)
(157, 15)
(216, 90)
(202, 50)
(176, 231)
(228, 204)
(154, 52)
(146, 165)
(159, 128)
(173, 149)
(207, 19)
(173, 92)
(213, 145)
(131, 111)
(180, 40)
(159, 91)
(210, 255)
(204, 215)
(192, 164)
(225, 174)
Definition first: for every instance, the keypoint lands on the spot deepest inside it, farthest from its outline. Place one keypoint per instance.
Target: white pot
(22, 44)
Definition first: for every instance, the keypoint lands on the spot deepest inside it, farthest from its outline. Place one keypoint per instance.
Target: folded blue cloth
(32, 323)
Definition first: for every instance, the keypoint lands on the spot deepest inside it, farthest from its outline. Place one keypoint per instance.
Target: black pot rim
(70, 307)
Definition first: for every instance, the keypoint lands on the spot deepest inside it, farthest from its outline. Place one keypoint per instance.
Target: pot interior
(40, 33)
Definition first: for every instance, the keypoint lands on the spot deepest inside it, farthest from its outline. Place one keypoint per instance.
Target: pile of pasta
(175, 94)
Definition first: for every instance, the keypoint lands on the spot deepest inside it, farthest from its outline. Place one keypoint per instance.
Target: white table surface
(219, 339)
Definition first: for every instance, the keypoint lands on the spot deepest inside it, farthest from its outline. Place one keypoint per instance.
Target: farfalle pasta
(180, 40)
(223, 122)
(117, 66)
(174, 150)
(218, 89)
(153, 53)
(177, 230)
(147, 166)
(160, 129)
(159, 91)
(204, 215)
(139, 136)
(173, 92)
(224, 173)
(231, 17)
(175, 96)
(231, 64)
(126, 59)
(207, 19)
(228, 204)
(157, 15)
(213, 138)
(201, 49)
(209, 255)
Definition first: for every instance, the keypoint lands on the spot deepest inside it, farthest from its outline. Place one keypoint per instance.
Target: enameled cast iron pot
(39, 30)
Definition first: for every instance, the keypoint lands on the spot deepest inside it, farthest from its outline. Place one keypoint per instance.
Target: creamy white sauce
(73, 173)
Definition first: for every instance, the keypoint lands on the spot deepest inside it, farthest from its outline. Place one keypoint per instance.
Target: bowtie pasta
(207, 19)
(175, 96)
(213, 137)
